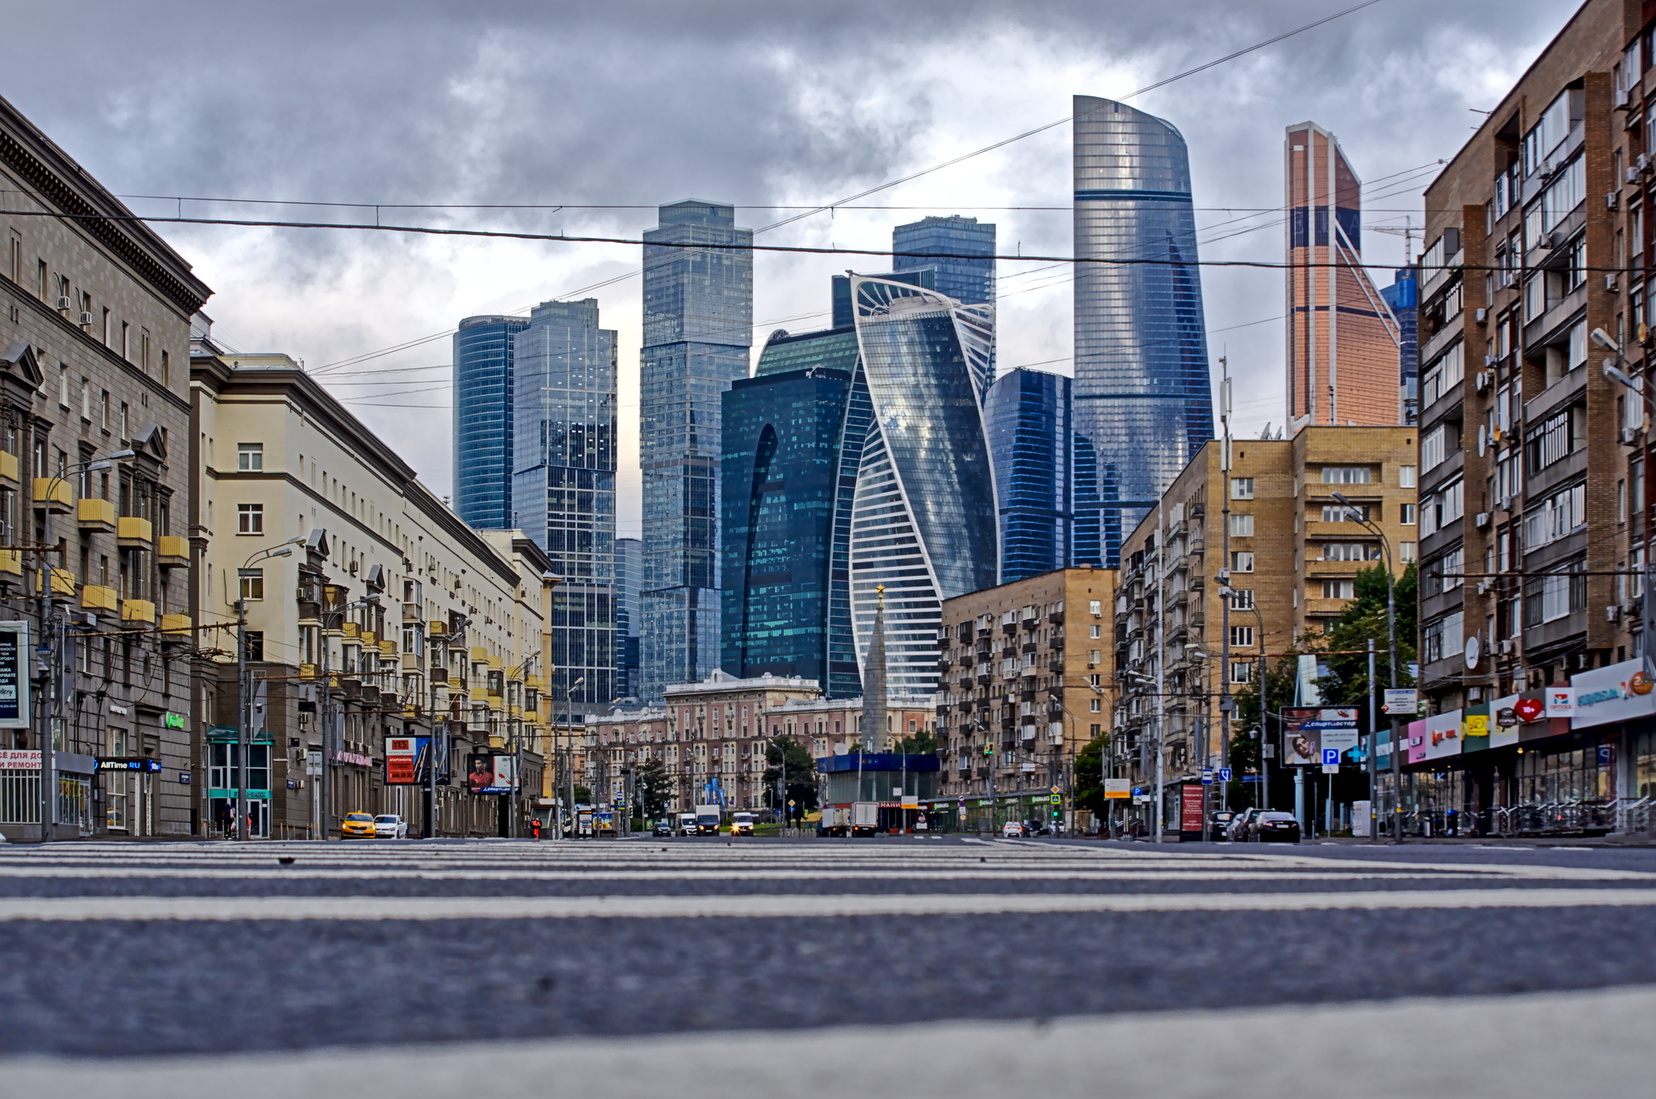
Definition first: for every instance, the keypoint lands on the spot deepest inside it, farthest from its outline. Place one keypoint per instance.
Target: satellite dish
(1474, 652)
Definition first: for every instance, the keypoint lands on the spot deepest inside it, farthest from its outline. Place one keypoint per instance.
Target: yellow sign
(1476, 725)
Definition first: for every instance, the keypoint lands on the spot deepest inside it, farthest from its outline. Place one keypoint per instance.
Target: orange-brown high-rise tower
(1343, 365)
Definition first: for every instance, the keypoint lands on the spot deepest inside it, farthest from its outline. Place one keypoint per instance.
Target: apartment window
(1405, 552)
(251, 583)
(1406, 514)
(1441, 639)
(106, 326)
(1551, 442)
(1095, 705)
(1555, 595)
(1092, 656)
(126, 341)
(1431, 447)
(1345, 513)
(1406, 476)
(1242, 637)
(250, 457)
(126, 422)
(1096, 606)
(1345, 475)
(1242, 488)
(1556, 516)
(1351, 551)
(1241, 671)
(144, 349)
(63, 384)
(15, 267)
(86, 400)
(1097, 631)
(1242, 561)
(1241, 526)
(249, 518)
(166, 369)
(1242, 599)
(255, 645)
(43, 282)
(1339, 589)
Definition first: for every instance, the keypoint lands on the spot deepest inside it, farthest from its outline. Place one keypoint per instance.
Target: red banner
(1190, 808)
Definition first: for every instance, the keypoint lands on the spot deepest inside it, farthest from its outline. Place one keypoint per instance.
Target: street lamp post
(1618, 372)
(1362, 520)
(325, 786)
(244, 711)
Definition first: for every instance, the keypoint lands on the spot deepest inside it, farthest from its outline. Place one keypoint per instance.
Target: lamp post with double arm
(244, 694)
(1359, 516)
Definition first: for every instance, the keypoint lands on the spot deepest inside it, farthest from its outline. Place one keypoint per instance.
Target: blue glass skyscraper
(698, 327)
(789, 480)
(563, 486)
(629, 575)
(962, 249)
(483, 420)
(1028, 419)
(1403, 297)
(1143, 398)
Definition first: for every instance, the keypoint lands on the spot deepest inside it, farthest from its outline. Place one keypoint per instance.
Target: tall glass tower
(483, 420)
(961, 248)
(1028, 419)
(923, 521)
(563, 486)
(629, 573)
(698, 327)
(1143, 396)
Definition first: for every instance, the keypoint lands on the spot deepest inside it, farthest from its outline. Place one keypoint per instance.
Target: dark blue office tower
(1403, 296)
(482, 435)
(1027, 416)
(962, 250)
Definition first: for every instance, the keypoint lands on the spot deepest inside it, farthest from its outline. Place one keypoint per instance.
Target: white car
(389, 826)
(1012, 830)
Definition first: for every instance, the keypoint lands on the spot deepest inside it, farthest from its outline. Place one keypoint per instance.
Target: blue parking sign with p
(1331, 757)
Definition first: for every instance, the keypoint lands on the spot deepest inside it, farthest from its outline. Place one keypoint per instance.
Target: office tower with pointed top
(1344, 343)
(1143, 398)
(563, 487)
(698, 328)
(483, 348)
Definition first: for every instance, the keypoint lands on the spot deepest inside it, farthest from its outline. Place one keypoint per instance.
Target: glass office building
(924, 523)
(563, 487)
(793, 437)
(962, 250)
(1403, 298)
(1143, 399)
(483, 420)
(1027, 415)
(629, 574)
(698, 327)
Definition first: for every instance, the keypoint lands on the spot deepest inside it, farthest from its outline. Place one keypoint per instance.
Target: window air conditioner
(64, 304)
(1483, 586)
(86, 320)
(1490, 360)
(1610, 281)
(1643, 162)
(1481, 521)
(1632, 175)
(1612, 612)
(1629, 436)
(1506, 648)
(1612, 200)
(1482, 314)
(1507, 502)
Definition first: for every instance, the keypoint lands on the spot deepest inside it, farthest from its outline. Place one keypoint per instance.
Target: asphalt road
(894, 966)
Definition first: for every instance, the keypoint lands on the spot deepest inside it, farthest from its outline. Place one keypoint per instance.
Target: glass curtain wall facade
(629, 574)
(563, 487)
(1027, 415)
(1143, 395)
(786, 594)
(924, 514)
(698, 328)
(962, 250)
(1403, 298)
(483, 420)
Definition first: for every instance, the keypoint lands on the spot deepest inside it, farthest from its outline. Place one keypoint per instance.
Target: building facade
(1027, 415)
(629, 575)
(924, 524)
(960, 249)
(372, 612)
(793, 437)
(1343, 341)
(483, 395)
(563, 488)
(94, 493)
(698, 328)
(1028, 680)
(1143, 397)
(1535, 502)
(1403, 299)
(1291, 551)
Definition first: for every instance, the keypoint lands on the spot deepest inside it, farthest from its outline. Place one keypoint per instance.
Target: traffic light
(988, 749)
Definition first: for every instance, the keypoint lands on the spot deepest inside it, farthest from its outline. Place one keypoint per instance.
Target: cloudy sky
(594, 112)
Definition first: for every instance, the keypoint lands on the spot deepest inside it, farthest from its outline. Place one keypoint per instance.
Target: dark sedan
(1274, 828)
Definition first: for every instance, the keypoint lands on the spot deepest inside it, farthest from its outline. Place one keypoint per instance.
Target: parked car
(389, 826)
(1237, 830)
(663, 827)
(357, 826)
(1012, 830)
(1218, 821)
(1034, 827)
(1274, 828)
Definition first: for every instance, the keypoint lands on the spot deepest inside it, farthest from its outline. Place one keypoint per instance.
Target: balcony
(137, 613)
(388, 648)
(11, 562)
(131, 532)
(63, 583)
(176, 628)
(412, 612)
(172, 552)
(9, 469)
(95, 516)
(54, 494)
(97, 597)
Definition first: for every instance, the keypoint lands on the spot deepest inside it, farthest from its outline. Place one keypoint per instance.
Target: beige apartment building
(94, 490)
(1291, 549)
(1026, 679)
(372, 612)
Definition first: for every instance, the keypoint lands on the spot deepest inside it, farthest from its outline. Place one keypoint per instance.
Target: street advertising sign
(1561, 702)
(1190, 808)
(1529, 709)
(14, 759)
(1401, 701)
(490, 774)
(407, 760)
(1443, 735)
(1307, 732)
(14, 675)
(1503, 730)
(1605, 695)
(1118, 788)
(128, 763)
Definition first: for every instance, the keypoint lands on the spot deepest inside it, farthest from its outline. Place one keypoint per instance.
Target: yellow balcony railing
(388, 647)
(93, 514)
(350, 629)
(97, 597)
(53, 493)
(172, 552)
(8, 467)
(437, 629)
(11, 562)
(133, 532)
(63, 582)
(176, 627)
(137, 612)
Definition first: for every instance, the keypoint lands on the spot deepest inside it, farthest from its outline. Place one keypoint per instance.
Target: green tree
(923, 743)
(1089, 775)
(791, 763)
(1364, 618)
(652, 785)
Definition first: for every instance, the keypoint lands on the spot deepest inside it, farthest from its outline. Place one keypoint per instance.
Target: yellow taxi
(357, 825)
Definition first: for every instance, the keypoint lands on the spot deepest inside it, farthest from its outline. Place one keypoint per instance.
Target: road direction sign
(1224, 774)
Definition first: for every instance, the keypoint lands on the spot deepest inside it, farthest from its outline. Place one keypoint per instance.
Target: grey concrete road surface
(912, 966)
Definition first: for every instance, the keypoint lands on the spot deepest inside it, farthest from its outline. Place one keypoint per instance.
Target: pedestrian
(534, 828)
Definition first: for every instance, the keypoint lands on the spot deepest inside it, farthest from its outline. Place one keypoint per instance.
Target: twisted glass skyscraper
(698, 326)
(1143, 397)
(483, 420)
(923, 520)
(563, 486)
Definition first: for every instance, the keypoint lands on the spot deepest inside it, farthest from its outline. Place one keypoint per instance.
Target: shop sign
(128, 763)
(14, 676)
(1561, 702)
(355, 758)
(1503, 732)
(1604, 695)
(171, 720)
(1443, 735)
(1416, 741)
(1529, 709)
(16, 759)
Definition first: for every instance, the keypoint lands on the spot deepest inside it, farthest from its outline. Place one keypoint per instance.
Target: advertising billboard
(490, 774)
(1307, 731)
(1190, 807)
(14, 675)
(1616, 693)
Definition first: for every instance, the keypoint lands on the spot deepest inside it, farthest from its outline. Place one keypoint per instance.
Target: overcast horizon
(609, 111)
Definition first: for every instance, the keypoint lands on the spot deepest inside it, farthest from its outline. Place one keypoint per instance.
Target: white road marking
(59, 909)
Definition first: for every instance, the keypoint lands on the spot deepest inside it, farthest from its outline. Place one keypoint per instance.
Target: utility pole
(1161, 669)
(1373, 738)
(1226, 703)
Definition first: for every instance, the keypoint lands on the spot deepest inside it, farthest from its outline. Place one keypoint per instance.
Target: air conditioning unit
(64, 304)
(1629, 436)
(1632, 175)
(1484, 585)
(1612, 200)
(1482, 314)
(1624, 97)
(1506, 648)
(1481, 520)
(1507, 502)
(86, 320)
(1490, 360)
(1610, 281)
(1612, 612)
(1642, 163)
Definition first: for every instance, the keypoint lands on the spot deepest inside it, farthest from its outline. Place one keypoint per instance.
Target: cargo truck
(707, 820)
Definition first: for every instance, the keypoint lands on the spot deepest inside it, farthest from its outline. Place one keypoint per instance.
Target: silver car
(389, 826)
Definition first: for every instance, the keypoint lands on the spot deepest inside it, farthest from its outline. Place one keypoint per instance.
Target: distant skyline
(753, 104)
